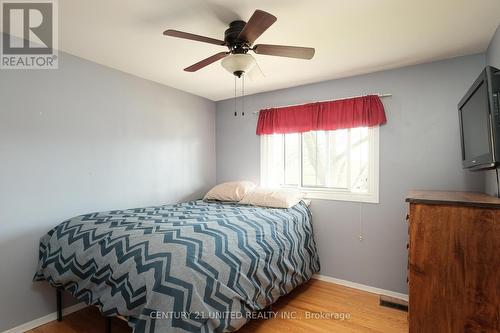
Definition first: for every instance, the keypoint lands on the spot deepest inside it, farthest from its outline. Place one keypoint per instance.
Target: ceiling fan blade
(285, 51)
(206, 62)
(198, 38)
(256, 25)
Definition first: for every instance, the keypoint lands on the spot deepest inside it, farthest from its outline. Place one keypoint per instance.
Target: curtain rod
(331, 100)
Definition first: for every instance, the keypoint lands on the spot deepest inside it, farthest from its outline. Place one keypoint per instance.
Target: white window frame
(371, 196)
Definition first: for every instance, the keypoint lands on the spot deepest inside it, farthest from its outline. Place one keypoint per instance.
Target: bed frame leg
(107, 324)
(59, 303)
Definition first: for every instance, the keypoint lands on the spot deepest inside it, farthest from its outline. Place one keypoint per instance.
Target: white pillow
(231, 191)
(275, 198)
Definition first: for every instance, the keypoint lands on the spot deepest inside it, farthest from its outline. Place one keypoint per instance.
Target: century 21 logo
(31, 23)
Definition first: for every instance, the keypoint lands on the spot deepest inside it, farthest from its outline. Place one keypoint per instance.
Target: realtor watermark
(290, 315)
(30, 39)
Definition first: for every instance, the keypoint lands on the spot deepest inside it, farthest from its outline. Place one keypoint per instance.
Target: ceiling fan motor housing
(231, 35)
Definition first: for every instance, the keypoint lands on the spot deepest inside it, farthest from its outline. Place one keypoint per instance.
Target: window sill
(342, 196)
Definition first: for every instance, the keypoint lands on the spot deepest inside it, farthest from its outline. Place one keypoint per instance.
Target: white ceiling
(350, 36)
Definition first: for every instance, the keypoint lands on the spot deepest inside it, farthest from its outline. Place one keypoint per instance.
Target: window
(335, 165)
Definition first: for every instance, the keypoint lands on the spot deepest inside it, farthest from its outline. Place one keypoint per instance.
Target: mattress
(190, 267)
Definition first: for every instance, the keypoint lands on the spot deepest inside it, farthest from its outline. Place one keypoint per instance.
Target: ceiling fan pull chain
(235, 112)
(243, 95)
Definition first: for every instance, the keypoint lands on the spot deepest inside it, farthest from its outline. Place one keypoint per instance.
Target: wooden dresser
(453, 262)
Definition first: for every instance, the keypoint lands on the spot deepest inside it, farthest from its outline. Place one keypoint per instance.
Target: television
(479, 117)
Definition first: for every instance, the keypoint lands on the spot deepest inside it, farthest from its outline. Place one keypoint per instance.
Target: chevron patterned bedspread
(190, 267)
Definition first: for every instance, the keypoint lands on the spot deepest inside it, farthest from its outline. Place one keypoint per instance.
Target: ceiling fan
(239, 39)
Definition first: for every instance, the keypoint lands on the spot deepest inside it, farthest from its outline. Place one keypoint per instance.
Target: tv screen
(480, 122)
(475, 126)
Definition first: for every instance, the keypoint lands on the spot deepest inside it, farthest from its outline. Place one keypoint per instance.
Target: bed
(191, 267)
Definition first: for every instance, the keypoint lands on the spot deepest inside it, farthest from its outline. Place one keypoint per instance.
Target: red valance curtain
(363, 111)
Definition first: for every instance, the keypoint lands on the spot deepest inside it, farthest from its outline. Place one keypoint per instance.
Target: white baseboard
(45, 319)
(363, 287)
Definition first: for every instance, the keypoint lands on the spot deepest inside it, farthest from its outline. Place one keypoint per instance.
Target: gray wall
(88, 138)
(419, 149)
(493, 59)
(493, 52)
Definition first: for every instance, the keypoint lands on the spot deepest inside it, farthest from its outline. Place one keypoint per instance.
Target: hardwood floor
(324, 299)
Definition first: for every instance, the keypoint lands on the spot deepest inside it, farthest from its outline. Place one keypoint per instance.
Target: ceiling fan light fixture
(237, 64)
